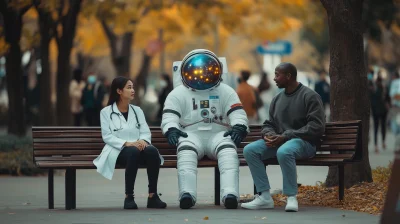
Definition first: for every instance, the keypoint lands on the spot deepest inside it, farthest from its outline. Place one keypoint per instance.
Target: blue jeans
(257, 151)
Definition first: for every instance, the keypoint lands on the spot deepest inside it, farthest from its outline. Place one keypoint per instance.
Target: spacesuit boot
(228, 164)
(187, 176)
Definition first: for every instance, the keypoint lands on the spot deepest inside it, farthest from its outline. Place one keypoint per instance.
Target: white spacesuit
(204, 117)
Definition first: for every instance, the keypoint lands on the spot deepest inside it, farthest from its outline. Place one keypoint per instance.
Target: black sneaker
(130, 203)
(231, 201)
(155, 202)
(186, 201)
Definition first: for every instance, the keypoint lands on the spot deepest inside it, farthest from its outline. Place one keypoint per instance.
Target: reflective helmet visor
(201, 71)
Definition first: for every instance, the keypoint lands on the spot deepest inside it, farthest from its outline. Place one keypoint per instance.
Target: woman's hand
(143, 143)
(140, 144)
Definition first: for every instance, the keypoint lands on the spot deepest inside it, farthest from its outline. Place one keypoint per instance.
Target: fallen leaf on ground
(362, 197)
(205, 218)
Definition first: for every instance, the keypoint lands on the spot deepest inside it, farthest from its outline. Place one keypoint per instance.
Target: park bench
(73, 148)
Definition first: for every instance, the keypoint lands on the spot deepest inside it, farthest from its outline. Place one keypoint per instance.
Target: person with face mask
(92, 99)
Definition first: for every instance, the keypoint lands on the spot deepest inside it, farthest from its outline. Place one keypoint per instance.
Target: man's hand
(237, 133)
(173, 135)
(274, 141)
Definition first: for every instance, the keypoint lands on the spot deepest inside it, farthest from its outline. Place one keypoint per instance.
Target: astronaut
(204, 116)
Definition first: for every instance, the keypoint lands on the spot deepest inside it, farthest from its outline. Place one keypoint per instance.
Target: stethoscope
(119, 116)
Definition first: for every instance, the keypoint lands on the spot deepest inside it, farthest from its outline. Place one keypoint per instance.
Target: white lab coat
(115, 140)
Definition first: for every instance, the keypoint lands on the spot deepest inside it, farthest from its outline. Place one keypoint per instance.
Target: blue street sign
(279, 47)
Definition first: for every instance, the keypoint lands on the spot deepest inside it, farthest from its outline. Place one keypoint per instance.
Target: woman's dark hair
(118, 83)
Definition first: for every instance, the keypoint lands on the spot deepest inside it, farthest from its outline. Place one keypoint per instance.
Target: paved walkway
(24, 200)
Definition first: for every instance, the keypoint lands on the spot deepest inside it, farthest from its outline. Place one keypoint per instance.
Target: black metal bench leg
(217, 186)
(50, 185)
(68, 188)
(341, 182)
(73, 189)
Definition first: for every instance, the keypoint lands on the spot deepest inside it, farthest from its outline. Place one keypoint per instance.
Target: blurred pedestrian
(395, 103)
(322, 87)
(75, 92)
(166, 85)
(247, 96)
(380, 105)
(92, 98)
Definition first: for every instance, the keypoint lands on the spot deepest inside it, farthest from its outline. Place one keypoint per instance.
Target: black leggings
(131, 158)
(382, 120)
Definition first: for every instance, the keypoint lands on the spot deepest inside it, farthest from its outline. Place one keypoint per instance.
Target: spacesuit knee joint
(186, 148)
(224, 147)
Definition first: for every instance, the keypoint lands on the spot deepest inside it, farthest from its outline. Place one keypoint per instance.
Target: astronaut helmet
(201, 70)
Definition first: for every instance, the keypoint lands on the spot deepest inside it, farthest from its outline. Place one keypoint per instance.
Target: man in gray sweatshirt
(296, 123)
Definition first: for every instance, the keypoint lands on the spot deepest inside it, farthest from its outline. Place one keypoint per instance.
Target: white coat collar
(131, 113)
(115, 109)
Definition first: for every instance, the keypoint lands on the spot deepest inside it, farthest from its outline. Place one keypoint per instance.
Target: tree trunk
(15, 90)
(122, 60)
(141, 78)
(46, 115)
(120, 50)
(64, 115)
(349, 94)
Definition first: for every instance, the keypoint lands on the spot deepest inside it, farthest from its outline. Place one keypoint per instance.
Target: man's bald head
(287, 68)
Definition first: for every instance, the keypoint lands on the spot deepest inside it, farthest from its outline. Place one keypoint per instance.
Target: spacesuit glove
(237, 133)
(173, 135)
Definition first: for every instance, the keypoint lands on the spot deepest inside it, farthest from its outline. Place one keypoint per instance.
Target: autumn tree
(57, 19)
(12, 12)
(47, 28)
(66, 27)
(349, 96)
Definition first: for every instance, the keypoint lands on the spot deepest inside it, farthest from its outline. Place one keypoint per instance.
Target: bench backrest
(63, 144)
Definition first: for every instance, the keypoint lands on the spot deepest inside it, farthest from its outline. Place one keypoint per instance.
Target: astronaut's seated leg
(224, 150)
(189, 152)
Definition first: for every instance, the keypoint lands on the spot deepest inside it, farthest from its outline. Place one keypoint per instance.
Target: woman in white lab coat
(128, 143)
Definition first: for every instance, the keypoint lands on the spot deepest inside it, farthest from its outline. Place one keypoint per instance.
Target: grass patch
(16, 156)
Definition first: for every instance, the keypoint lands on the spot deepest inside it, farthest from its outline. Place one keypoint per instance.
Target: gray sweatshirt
(296, 115)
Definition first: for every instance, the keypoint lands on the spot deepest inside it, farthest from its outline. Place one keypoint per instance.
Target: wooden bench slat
(353, 122)
(341, 131)
(202, 163)
(339, 136)
(166, 157)
(73, 146)
(65, 152)
(340, 142)
(341, 127)
(68, 140)
(336, 148)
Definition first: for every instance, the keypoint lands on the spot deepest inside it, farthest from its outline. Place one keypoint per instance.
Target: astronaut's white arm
(235, 112)
(144, 131)
(106, 133)
(171, 113)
